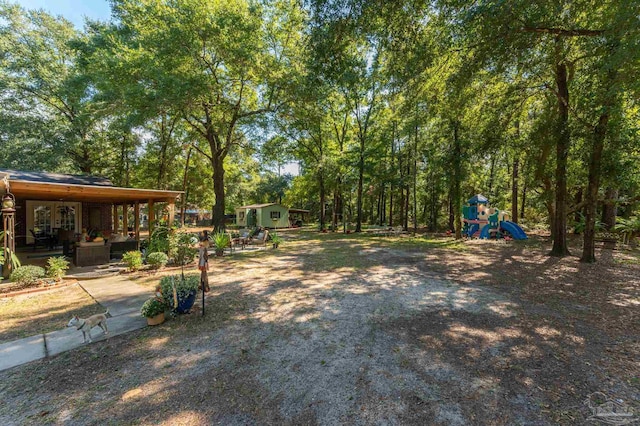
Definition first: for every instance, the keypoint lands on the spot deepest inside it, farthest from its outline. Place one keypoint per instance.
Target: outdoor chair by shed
(261, 238)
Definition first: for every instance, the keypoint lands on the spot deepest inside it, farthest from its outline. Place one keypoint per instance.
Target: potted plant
(153, 311)
(220, 242)
(179, 291)
(276, 240)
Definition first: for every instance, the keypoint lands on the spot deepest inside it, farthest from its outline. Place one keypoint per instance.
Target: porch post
(151, 217)
(125, 219)
(172, 212)
(8, 226)
(136, 218)
(116, 223)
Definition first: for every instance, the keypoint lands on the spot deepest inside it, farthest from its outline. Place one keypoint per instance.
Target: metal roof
(52, 186)
(257, 206)
(45, 177)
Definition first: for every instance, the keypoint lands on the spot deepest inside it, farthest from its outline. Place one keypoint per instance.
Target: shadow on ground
(360, 331)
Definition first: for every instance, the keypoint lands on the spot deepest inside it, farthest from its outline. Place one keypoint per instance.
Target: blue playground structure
(484, 222)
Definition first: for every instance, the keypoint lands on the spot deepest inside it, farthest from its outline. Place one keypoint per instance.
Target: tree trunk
(405, 225)
(588, 247)
(393, 154)
(563, 140)
(524, 198)
(323, 198)
(163, 155)
(452, 218)
(383, 205)
(415, 183)
(379, 206)
(217, 161)
(425, 202)
(334, 219)
(599, 135)
(435, 205)
(457, 173)
(492, 175)
(360, 184)
(514, 190)
(184, 188)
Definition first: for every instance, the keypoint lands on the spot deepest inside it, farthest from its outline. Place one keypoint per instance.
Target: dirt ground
(36, 313)
(349, 329)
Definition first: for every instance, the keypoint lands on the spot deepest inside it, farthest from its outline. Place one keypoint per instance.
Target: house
(53, 206)
(195, 216)
(269, 215)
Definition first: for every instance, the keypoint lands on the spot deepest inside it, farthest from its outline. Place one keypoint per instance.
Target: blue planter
(187, 303)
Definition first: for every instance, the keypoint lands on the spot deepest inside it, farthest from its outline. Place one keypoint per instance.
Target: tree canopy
(395, 112)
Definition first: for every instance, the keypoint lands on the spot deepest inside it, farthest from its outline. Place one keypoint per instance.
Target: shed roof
(258, 206)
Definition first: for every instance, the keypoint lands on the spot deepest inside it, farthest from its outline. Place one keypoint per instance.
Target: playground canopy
(478, 199)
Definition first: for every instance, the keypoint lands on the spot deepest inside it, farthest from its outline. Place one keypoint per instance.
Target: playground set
(483, 221)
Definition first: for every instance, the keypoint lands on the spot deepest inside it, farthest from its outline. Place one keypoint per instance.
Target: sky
(73, 10)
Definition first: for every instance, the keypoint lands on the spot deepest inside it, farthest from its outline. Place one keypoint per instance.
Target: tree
(221, 64)
(43, 83)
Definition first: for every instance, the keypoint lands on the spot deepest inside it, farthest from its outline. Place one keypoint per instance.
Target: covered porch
(53, 212)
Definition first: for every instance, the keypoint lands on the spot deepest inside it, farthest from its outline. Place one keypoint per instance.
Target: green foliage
(629, 226)
(27, 275)
(181, 247)
(394, 111)
(159, 240)
(580, 226)
(152, 307)
(184, 287)
(276, 239)
(57, 267)
(133, 260)
(157, 260)
(15, 262)
(220, 240)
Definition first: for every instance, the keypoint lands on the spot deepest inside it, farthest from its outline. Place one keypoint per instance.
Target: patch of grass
(628, 260)
(28, 315)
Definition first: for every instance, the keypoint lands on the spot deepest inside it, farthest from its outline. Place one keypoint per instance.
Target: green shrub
(182, 248)
(15, 262)
(57, 267)
(220, 240)
(27, 274)
(157, 260)
(183, 287)
(133, 259)
(152, 307)
(276, 239)
(159, 240)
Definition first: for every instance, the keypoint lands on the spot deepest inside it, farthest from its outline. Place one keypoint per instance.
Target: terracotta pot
(219, 252)
(157, 320)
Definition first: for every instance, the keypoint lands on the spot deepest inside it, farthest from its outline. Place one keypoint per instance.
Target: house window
(47, 217)
(241, 216)
(275, 215)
